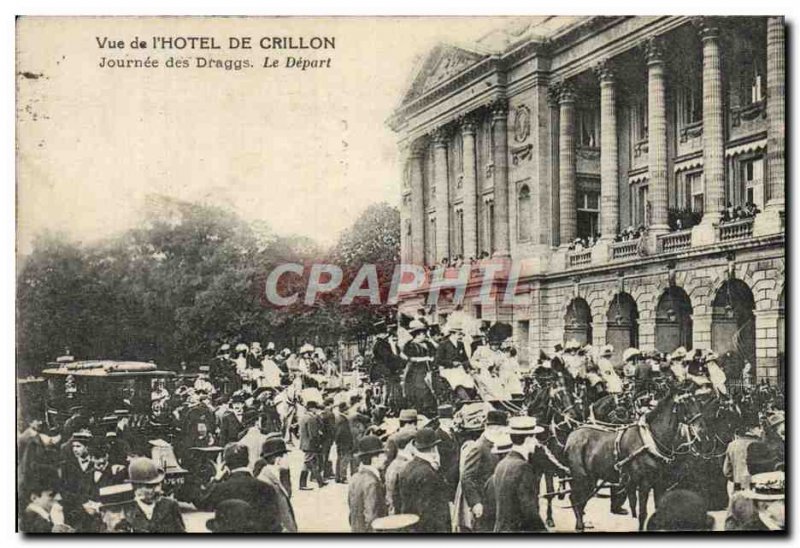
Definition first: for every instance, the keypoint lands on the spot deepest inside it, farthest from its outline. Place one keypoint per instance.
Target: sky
(303, 151)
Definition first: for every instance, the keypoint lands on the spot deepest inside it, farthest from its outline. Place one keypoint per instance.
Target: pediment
(441, 64)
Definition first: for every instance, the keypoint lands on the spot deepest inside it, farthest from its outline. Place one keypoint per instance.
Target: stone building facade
(561, 128)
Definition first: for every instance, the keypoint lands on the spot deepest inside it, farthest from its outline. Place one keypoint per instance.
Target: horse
(555, 408)
(636, 456)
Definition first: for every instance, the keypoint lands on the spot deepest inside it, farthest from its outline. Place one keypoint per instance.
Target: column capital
(416, 150)
(553, 92)
(440, 136)
(468, 123)
(499, 108)
(654, 50)
(566, 94)
(605, 71)
(706, 27)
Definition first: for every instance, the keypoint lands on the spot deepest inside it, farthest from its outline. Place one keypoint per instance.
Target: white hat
(631, 353)
(241, 347)
(306, 348)
(767, 486)
(523, 426)
(678, 354)
(607, 351)
(270, 345)
(416, 326)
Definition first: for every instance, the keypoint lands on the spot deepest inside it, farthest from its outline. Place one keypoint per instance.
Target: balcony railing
(736, 230)
(675, 241)
(623, 250)
(579, 258)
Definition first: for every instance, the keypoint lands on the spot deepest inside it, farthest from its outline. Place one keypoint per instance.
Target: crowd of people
(441, 433)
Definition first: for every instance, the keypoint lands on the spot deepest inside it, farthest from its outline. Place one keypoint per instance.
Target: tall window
(430, 256)
(524, 214)
(690, 102)
(488, 239)
(752, 176)
(694, 191)
(458, 244)
(588, 213)
(639, 198)
(752, 74)
(639, 119)
(588, 128)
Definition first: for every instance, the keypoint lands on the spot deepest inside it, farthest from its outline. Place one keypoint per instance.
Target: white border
(319, 7)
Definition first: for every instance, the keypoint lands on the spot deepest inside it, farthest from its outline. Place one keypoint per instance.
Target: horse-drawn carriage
(98, 388)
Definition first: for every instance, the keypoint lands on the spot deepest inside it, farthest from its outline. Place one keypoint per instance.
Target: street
(325, 510)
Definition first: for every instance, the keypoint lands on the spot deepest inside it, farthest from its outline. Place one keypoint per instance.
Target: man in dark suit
(343, 437)
(366, 495)
(479, 464)
(311, 445)
(387, 367)
(76, 479)
(516, 492)
(451, 351)
(449, 450)
(150, 512)
(422, 488)
(240, 484)
(398, 440)
(328, 423)
(232, 423)
(103, 472)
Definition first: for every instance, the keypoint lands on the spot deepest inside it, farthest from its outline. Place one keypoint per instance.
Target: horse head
(697, 409)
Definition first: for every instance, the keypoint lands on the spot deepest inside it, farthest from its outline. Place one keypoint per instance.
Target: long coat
(230, 429)
(447, 354)
(423, 492)
(285, 509)
(366, 498)
(311, 431)
(166, 517)
(515, 491)
(243, 486)
(387, 363)
(449, 451)
(418, 393)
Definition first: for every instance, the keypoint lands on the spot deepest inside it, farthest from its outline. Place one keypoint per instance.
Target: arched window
(524, 213)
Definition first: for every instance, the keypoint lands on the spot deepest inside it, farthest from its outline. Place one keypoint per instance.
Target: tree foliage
(190, 278)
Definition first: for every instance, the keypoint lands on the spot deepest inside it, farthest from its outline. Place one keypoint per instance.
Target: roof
(448, 64)
(105, 368)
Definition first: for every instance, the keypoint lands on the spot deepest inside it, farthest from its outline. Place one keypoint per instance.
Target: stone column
(470, 188)
(657, 136)
(555, 193)
(776, 112)
(442, 194)
(568, 214)
(416, 167)
(500, 159)
(770, 221)
(609, 155)
(713, 126)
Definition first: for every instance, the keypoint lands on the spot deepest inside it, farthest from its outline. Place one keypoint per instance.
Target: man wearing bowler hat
(515, 486)
(422, 488)
(269, 469)
(479, 463)
(366, 495)
(398, 440)
(150, 512)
